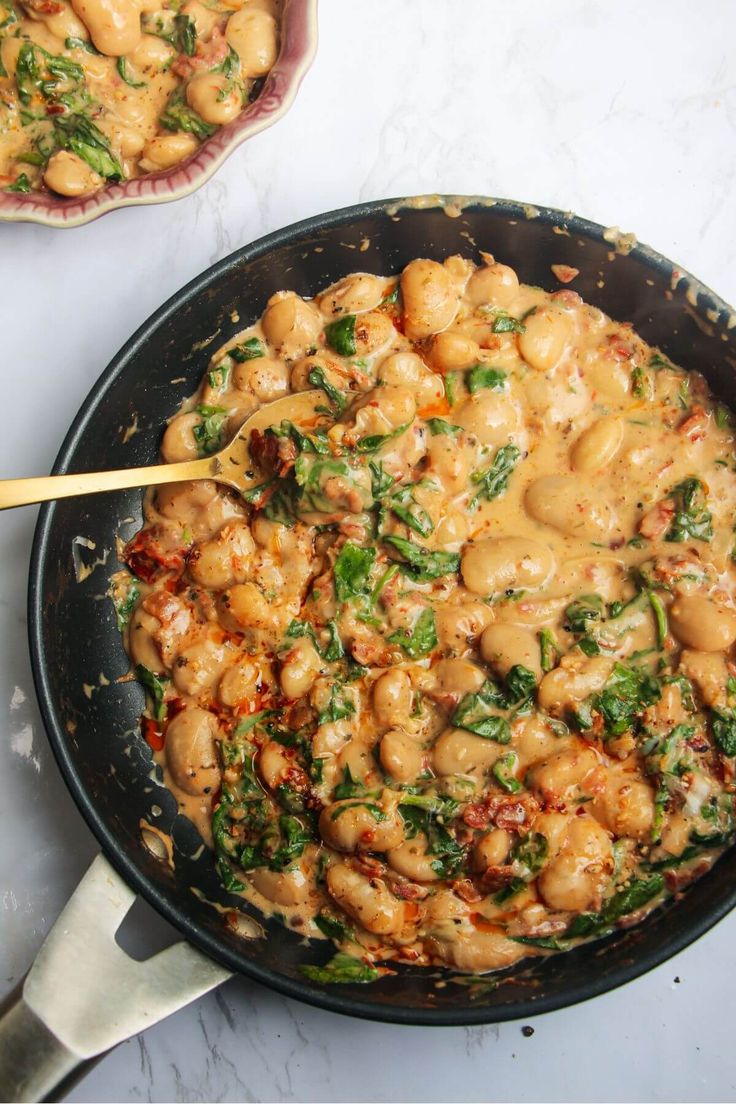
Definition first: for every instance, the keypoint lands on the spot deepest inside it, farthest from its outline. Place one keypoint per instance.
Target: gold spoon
(232, 465)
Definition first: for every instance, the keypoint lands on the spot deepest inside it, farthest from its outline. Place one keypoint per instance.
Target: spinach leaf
(340, 335)
(408, 510)
(660, 617)
(723, 417)
(259, 495)
(338, 707)
(274, 842)
(156, 687)
(520, 685)
(429, 814)
(627, 692)
(80, 44)
(250, 349)
(506, 323)
(27, 72)
(247, 724)
(713, 839)
(628, 899)
(127, 76)
(641, 386)
(548, 649)
(656, 360)
(439, 427)
(480, 377)
(218, 377)
(437, 805)
(21, 184)
(80, 135)
(503, 772)
(349, 787)
(292, 840)
(313, 473)
(421, 640)
(125, 604)
(692, 520)
(545, 942)
(718, 812)
(674, 861)
(376, 441)
(185, 36)
(305, 442)
(179, 116)
(451, 381)
(352, 571)
(332, 927)
(723, 727)
(63, 68)
(318, 379)
(495, 479)
(226, 876)
(376, 812)
(450, 856)
(180, 31)
(579, 614)
(528, 856)
(421, 564)
(333, 650)
(297, 629)
(35, 156)
(477, 713)
(381, 481)
(208, 434)
(343, 969)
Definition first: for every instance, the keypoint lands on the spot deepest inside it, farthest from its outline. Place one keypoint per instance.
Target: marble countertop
(625, 113)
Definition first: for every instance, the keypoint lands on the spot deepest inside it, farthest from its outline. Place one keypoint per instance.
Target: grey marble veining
(625, 113)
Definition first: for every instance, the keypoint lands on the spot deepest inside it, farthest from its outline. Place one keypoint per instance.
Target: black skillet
(105, 762)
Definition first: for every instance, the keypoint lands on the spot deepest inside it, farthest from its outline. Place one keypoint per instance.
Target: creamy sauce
(96, 91)
(455, 685)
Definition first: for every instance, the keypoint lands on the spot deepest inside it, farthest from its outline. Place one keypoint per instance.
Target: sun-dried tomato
(152, 734)
(149, 560)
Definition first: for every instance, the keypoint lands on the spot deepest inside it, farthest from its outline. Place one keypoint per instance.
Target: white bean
(392, 697)
(429, 298)
(368, 901)
(502, 563)
(569, 504)
(598, 445)
(699, 623)
(190, 751)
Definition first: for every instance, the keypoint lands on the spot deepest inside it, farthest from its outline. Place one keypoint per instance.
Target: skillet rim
(329, 999)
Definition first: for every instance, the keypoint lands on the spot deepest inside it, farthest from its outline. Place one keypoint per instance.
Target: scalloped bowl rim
(298, 48)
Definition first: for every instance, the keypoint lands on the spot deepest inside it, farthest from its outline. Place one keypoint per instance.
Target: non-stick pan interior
(92, 718)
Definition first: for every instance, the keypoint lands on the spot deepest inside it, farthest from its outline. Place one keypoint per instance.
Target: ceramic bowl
(298, 47)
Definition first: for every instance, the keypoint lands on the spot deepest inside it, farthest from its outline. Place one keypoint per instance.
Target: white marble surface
(623, 112)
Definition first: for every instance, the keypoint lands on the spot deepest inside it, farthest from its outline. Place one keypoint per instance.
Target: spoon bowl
(232, 465)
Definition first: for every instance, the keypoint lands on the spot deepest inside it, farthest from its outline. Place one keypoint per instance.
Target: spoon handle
(43, 488)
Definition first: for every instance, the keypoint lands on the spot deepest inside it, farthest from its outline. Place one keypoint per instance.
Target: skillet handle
(83, 994)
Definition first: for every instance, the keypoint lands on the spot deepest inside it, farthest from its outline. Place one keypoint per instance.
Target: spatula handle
(63, 1017)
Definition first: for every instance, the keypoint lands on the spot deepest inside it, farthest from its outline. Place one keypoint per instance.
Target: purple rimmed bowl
(298, 47)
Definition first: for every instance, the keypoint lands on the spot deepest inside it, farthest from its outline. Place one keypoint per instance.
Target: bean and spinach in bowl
(100, 91)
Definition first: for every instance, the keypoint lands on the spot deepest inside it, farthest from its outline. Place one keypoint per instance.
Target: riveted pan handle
(83, 995)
